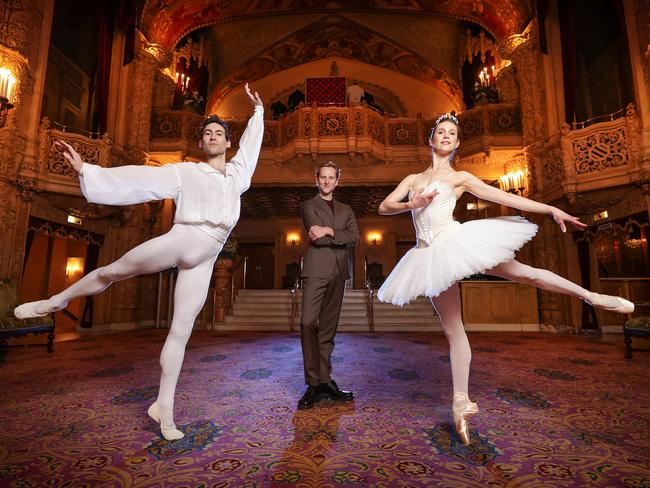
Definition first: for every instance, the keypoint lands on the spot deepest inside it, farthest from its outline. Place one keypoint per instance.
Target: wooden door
(260, 271)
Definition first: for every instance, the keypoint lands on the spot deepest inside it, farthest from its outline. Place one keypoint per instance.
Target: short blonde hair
(328, 164)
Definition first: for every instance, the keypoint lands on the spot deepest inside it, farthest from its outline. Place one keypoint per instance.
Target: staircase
(269, 310)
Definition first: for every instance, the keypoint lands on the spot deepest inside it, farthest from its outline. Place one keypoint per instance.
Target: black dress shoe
(309, 399)
(332, 391)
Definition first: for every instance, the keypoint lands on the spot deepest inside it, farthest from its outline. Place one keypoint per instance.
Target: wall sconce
(513, 182)
(73, 219)
(7, 84)
(73, 267)
(374, 238)
(293, 238)
(601, 216)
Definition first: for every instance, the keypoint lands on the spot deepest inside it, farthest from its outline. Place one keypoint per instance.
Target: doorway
(56, 256)
(260, 273)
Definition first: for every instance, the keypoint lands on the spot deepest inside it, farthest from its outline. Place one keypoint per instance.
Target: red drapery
(325, 91)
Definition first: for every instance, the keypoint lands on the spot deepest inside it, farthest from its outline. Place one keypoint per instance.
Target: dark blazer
(325, 253)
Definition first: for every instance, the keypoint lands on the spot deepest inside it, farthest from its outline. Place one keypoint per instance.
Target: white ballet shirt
(204, 197)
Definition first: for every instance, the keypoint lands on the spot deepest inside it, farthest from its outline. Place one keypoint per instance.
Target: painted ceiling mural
(334, 36)
(164, 22)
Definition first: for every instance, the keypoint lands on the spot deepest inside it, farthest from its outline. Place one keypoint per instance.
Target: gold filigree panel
(166, 125)
(358, 124)
(16, 21)
(376, 128)
(551, 165)
(401, 134)
(333, 124)
(600, 151)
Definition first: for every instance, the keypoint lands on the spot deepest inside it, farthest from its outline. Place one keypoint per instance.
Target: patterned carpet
(556, 411)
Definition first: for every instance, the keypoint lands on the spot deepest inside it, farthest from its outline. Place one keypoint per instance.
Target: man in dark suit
(332, 228)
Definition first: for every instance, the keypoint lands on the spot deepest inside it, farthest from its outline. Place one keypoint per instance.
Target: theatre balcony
(359, 135)
(601, 153)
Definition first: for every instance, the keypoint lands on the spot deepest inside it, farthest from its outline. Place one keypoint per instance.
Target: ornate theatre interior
(553, 99)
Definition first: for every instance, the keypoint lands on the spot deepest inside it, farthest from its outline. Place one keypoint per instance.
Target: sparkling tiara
(448, 116)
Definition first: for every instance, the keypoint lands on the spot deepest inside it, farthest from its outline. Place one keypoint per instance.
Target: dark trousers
(321, 306)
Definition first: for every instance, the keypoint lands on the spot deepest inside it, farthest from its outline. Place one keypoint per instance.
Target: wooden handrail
(241, 264)
(370, 308)
(293, 313)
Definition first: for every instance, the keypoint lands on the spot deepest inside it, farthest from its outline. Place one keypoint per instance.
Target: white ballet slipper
(169, 432)
(28, 310)
(609, 302)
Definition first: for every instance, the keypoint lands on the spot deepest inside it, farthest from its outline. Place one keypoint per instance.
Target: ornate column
(24, 38)
(522, 49)
(148, 60)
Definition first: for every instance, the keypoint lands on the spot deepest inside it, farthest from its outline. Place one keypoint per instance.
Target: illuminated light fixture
(73, 219)
(634, 243)
(472, 206)
(601, 216)
(513, 182)
(293, 238)
(7, 84)
(374, 238)
(74, 266)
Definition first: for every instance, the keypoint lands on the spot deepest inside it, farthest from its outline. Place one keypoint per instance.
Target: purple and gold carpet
(556, 411)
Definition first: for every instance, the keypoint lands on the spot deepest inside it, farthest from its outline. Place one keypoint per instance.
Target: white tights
(447, 304)
(194, 253)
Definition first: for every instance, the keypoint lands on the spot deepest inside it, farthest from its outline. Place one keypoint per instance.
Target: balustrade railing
(355, 130)
(599, 155)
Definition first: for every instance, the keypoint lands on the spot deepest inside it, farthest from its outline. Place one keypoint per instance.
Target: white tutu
(460, 251)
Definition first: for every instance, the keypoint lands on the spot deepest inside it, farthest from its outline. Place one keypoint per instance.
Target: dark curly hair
(214, 119)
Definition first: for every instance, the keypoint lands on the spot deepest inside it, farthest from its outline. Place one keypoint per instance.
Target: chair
(291, 272)
(375, 274)
(10, 326)
(636, 327)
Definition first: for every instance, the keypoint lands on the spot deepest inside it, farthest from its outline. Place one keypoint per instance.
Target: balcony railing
(355, 130)
(601, 155)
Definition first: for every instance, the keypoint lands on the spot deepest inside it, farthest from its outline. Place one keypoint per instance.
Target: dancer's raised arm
(482, 190)
(243, 164)
(123, 185)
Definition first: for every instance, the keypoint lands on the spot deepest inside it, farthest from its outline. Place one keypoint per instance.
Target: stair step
(269, 310)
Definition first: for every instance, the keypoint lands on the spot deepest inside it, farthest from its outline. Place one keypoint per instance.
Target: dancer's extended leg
(447, 304)
(151, 256)
(191, 291)
(546, 280)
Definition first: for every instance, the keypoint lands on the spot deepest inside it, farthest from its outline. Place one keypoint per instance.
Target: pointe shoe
(28, 310)
(460, 421)
(608, 302)
(169, 433)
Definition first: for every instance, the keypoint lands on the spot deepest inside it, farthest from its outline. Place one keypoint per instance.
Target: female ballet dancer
(207, 197)
(448, 251)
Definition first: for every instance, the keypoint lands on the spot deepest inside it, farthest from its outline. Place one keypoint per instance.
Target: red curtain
(106, 25)
(326, 91)
(567, 36)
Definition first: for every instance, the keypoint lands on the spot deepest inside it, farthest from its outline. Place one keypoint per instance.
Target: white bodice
(436, 219)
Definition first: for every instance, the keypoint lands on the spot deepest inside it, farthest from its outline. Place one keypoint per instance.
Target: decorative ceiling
(335, 36)
(164, 22)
